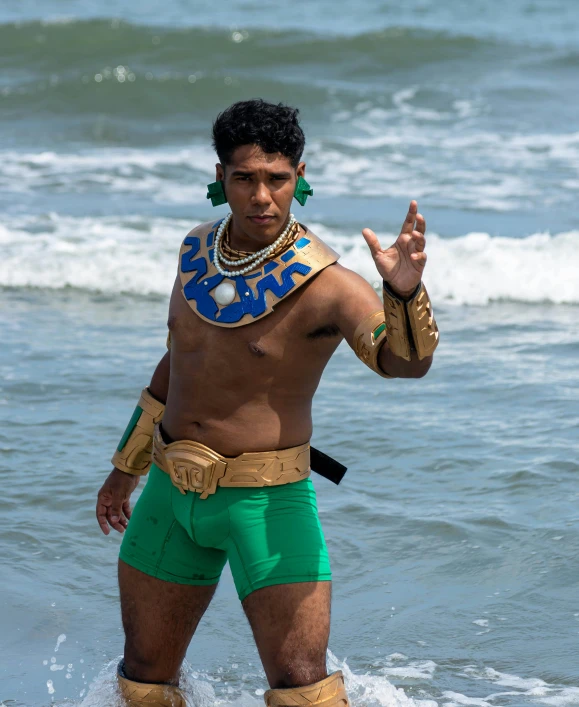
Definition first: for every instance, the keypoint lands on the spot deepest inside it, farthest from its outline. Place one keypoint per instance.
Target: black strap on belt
(327, 467)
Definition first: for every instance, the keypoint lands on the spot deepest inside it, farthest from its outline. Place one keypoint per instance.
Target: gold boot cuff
(326, 693)
(133, 454)
(136, 694)
(410, 326)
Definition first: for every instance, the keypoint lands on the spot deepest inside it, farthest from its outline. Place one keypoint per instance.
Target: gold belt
(194, 467)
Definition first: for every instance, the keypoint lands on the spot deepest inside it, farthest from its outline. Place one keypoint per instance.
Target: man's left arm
(396, 337)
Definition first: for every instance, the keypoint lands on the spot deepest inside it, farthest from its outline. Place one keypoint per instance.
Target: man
(258, 308)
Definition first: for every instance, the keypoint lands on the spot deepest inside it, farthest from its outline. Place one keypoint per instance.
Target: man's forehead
(253, 158)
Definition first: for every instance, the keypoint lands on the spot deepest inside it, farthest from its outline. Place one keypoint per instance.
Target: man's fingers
(419, 259)
(419, 241)
(408, 225)
(420, 223)
(101, 514)
(114, 515)
(372, 240)
(127, 509)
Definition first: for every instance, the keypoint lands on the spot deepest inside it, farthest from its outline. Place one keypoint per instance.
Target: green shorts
(270, 535)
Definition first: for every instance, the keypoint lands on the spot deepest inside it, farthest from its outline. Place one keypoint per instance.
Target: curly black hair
(274, 128)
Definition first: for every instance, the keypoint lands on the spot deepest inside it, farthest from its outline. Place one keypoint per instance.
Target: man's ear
(219, 172)
(301, 170)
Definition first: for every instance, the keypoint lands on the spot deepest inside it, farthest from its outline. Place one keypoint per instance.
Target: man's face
(259, 187)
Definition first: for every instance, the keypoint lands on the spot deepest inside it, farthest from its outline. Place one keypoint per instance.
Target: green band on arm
(378, 331)
(130, 427)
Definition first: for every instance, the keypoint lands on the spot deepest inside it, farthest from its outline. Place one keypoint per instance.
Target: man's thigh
(166, 581)
(159, 619)
(276, 538)
(291, 627)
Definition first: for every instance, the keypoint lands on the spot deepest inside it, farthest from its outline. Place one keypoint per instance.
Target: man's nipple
(255, 348)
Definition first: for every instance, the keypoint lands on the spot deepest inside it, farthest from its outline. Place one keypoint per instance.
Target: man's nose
(261, 194)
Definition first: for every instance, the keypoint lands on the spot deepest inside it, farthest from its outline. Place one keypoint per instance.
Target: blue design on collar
(211, 233)
(250, 304)
(195, 289)
(186, 264)
(288, 256)
(302, 243)
(199, 286)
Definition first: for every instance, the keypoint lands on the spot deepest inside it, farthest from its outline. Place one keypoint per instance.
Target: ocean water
(455, 534)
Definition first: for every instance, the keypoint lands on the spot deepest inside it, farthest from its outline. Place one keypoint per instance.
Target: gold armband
(369, 336)
(410, 325)
(133, 454)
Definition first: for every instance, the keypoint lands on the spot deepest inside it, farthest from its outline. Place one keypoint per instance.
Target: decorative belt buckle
(194, 471)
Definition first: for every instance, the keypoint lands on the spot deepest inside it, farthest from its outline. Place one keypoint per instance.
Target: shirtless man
(250, 332)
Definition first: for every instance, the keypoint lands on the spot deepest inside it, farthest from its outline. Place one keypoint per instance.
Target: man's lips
(261, 219)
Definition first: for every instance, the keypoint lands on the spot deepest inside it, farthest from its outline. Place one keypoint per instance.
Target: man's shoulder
(343, 280)
(203, 228)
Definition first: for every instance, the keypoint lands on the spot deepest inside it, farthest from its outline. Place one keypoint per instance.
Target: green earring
(216, 193)
(302, 191)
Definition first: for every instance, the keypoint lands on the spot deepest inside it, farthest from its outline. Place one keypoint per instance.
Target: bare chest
(299, 329)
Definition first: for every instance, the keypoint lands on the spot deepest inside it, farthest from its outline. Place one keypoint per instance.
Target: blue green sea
(454, 536)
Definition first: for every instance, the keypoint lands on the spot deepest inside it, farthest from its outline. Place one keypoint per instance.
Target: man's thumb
(372, 240)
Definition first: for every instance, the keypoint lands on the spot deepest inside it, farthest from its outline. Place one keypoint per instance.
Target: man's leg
(274, 537)
(159, 619)
(291, 627)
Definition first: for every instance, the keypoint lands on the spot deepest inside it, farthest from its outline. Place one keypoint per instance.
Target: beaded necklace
(223, 254)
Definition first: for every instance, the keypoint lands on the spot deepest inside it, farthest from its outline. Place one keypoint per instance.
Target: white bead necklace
(250, 261)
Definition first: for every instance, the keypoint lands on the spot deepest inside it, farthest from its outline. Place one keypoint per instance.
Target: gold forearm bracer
(410, 325)
(133, 454)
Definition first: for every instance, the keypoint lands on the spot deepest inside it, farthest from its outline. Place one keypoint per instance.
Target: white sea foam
(390, 152)
(139, 256)
(364, 689)
(175, 175)
(454, 699)
(202, 690)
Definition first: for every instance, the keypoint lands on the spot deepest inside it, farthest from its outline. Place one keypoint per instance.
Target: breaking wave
(138, 256)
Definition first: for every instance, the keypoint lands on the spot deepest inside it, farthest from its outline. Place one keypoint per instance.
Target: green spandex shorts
(270, 535)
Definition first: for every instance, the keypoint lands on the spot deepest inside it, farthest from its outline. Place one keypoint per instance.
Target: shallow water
(454, 536)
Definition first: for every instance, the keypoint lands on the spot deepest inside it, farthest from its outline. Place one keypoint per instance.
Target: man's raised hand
(402, 264)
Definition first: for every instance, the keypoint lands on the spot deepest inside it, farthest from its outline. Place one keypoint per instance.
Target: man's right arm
(113, 505)
(159, 386)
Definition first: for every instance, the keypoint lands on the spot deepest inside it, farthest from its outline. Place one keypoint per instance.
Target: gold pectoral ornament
(133, 455)
(228, 298)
